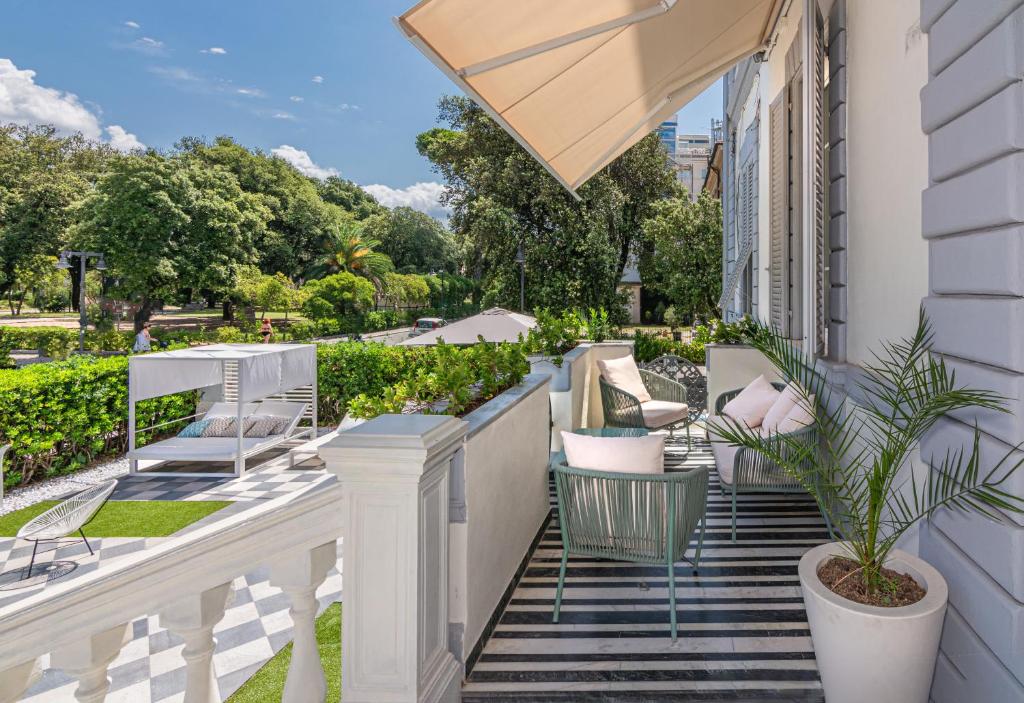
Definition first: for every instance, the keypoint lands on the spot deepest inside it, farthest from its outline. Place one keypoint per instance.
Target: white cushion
(658, 413)
(623, 373)
(800, 416)
(639, 455)
(789, 397)
(725, 456)
(752, 403)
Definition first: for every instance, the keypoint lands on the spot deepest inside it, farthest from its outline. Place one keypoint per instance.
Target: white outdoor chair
(66, 518)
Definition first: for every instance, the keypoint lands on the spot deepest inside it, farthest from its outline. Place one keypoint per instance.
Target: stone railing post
(394, 473)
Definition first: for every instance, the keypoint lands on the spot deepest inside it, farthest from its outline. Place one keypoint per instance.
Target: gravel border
(18, 498)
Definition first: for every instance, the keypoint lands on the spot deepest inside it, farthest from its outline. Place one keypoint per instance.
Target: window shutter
(778, 135)
(817, 126)
(795, 240)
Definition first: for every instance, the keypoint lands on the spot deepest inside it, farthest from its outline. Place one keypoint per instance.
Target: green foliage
(671, 317)
(348, 369)
(744, 331)
(648, 346)
(682, 253)
(414, 241)
(349, 197)
(555, 334)
(59, 417)
(126, 518)
(446, 379)
(265, 292)
(598, 326)
(862, 471)
(337, 295)
(351, 250)
(501, 198)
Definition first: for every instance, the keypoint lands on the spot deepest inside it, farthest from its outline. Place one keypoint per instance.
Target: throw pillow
(281, 425)
(623, 373)
(194, 429)
(261, 425)
(802, 415)
(639, 455)
(789, 397)
(752, 403)
(221, 427)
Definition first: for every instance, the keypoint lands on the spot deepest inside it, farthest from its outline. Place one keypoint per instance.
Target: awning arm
(660, 8)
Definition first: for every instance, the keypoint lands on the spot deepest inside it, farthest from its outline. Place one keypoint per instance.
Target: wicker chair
(752, 471)
(640, 518)
(66, 518)
(685, 372)
(623, 409)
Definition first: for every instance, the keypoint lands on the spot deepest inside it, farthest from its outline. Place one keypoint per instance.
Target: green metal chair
(640, 518)
(623, 409)
(753, 472)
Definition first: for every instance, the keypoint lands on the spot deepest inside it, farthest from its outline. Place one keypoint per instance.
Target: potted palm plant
(876, 611)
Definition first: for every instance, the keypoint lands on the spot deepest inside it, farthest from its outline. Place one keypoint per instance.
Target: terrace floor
(743, 632)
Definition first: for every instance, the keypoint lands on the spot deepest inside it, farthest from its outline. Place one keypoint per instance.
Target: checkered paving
(150, 669)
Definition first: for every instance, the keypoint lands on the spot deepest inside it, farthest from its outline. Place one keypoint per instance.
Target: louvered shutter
(778, 135)
(816, 123)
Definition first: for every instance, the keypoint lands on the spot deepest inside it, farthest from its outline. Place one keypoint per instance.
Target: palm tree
(352, 252)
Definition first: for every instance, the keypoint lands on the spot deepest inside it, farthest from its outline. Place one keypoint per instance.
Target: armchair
(667, 408)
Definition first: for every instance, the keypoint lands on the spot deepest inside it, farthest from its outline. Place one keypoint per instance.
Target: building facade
(667, 135)
(693, 153)
(873, 162)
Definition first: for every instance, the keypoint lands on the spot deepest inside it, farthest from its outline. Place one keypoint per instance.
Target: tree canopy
(501, 199)
(414, 241)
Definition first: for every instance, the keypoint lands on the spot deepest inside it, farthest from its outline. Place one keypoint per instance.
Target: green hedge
(648, 346)
(58, 417)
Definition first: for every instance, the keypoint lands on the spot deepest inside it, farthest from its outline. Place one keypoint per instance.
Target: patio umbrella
(494, 325)
(577, 82)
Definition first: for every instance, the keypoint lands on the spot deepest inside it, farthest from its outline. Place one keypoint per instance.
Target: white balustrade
(83, 622)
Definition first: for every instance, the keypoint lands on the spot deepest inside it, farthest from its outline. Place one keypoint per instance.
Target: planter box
(498, 503)
(731, 366)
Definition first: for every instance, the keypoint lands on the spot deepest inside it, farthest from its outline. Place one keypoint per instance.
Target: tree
(407, 289)
(501, 199)
(349, 197)
(353, 252)
(414, 241)
(337, 295)
(34, 273)
(263, 291)
(167, 223)
(684, 258)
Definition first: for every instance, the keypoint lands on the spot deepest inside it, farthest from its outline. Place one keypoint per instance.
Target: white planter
(868, 653)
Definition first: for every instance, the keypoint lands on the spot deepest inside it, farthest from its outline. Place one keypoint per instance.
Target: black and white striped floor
(742, 628)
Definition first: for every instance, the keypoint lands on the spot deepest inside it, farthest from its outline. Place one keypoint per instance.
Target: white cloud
(296, 99)
(346, 107)
(148, 45)
(214, 50)
(133, 25)
(24, 102)
(303, 162)
(318, 79)
(123, 140)
(283, 116)
(425, 197)
(251, 92)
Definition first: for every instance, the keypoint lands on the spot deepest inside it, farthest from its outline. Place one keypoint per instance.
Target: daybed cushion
(640, 455)
(223, 409)
(203, 448)
(752, 403)
(658, 413)
(623, 374)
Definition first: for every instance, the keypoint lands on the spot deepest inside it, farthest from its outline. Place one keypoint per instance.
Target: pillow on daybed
(623, 373)
(752, 403)
(638, 455)
(220, 427)
(194, 429)
(265, 425)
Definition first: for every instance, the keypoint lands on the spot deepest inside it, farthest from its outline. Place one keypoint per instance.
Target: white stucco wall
(887, 157)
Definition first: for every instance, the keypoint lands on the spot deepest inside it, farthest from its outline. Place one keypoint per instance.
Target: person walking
(143, 340)
(266, 331)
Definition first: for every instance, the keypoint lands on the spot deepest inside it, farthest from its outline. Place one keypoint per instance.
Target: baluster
(299, 575)
(16, 680)
(193, 618)
(88, 661)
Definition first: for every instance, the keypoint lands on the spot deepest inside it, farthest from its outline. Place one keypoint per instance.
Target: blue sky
(331, 84)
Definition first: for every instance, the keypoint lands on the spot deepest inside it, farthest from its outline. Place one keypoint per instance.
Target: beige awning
(577, 82)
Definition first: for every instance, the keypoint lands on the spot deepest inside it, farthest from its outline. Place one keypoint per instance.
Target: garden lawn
(267, 684)
(125, 518)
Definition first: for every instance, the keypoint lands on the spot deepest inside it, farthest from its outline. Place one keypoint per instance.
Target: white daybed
(244, 379)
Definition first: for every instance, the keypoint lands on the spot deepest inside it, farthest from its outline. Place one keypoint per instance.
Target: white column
(299, 575)
(16, 680)
(193, 618)
(88, 659)
(394, 476)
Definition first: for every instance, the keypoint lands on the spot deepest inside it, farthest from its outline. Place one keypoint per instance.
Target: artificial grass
(267, 684)
(125, 518)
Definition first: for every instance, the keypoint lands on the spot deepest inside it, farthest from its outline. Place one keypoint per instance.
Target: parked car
(427, 324)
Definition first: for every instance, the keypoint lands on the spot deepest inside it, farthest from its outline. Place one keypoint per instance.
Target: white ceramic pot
(868, 653)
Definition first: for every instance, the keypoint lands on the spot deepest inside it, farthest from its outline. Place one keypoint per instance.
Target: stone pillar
(88, 660)
(193, 618)
(299, 575)
(394, 472)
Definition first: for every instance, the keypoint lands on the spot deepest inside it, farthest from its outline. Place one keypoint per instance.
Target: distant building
(693, 153)
(631, 285)
(713, 181)
(667, 135)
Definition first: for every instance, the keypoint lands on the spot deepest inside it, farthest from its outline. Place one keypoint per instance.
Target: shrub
(649, 346)
(554, 335)
(60, 416)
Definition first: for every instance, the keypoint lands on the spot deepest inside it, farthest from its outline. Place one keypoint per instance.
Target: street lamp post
(64, 264)
(521, 260)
